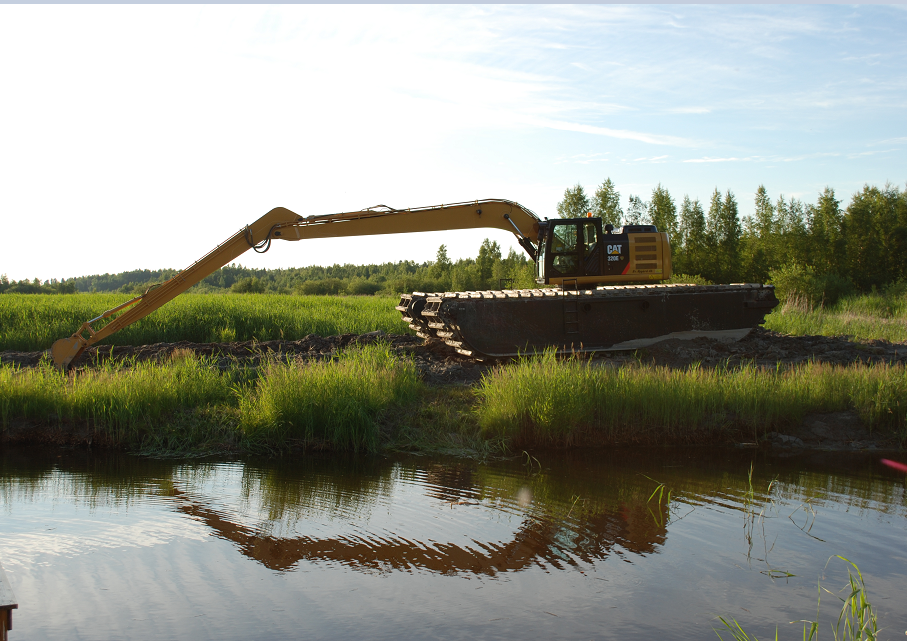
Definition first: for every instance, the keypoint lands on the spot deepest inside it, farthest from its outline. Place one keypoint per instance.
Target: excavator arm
(283, 224)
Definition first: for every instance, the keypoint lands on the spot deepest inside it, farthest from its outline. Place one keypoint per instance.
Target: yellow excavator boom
(283, 224)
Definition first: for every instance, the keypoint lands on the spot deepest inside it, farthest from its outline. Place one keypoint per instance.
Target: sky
(141, 136)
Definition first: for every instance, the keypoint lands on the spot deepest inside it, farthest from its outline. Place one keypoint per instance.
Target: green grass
(31, 322)
(113, 398)
(442, 422)
(188, 404)
(368, 398)
(866, 317)
(333, 402)
(857, 620)
(543, 400)
(375, 400)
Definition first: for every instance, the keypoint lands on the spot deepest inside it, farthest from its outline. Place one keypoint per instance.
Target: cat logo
(613, 249)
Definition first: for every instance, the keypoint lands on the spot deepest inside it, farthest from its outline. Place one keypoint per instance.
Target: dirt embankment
(439, 365)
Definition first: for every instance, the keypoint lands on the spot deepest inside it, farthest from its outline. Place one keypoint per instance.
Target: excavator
(599, 288)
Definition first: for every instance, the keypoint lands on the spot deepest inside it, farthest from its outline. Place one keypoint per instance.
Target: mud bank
(440, 365)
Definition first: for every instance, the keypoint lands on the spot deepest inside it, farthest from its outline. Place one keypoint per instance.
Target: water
(565, 545)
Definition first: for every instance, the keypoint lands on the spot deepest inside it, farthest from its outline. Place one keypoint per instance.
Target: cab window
(563, 248)
(590, 238)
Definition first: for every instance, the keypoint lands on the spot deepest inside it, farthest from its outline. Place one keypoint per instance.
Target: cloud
(656, 160)
(872, 58)
(690, 110)
(595, 109)
(623, 134)
(587, 161)
(870, 153)
(707, 159)
(774, 158)
(892, 141)
(583, 159)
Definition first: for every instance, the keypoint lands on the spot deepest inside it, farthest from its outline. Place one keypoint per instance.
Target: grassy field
(866, 317)
(31, 322)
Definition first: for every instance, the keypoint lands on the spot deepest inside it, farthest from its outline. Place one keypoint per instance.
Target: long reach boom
(283, 224)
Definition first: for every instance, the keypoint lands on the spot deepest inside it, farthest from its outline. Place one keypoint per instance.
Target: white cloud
(583, 159)
(623, 134)
(891, 141)
(690, 110)
(870, 153)
(707, 159)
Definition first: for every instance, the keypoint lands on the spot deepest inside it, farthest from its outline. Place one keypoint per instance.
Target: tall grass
(857, 620)
(344, 403)
(542, 399)
(189, 404)
(337, 402)
(115, 399)
(879, 315)
(30, 322)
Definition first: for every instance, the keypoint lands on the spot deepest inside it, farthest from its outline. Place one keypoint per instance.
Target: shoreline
(437, 401)
(821, 432)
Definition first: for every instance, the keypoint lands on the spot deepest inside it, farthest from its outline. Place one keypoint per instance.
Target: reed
(187, 404)
(337, 402)
(31, 322)
(368, 397)
(857, 620)
(542, 400)
(117, 398)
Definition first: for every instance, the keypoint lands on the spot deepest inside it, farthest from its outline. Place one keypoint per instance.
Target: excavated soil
(439, 365)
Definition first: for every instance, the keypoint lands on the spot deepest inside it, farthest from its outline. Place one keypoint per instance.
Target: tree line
(820, 250)
(823, 249)
(35, 286)
(487, 271)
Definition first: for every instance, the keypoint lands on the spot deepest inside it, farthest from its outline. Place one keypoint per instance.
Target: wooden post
(7, 605)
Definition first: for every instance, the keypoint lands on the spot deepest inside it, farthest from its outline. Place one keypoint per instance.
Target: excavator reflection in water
(581, 536)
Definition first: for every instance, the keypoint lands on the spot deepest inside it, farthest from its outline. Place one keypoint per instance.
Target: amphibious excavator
(599, 288)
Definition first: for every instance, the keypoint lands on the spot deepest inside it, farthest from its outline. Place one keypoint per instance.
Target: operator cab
(583, 251)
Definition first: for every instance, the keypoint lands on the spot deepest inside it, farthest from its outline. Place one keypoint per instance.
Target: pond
(596, 544)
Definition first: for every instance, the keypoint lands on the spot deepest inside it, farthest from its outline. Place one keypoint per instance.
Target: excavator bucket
(65, 351)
